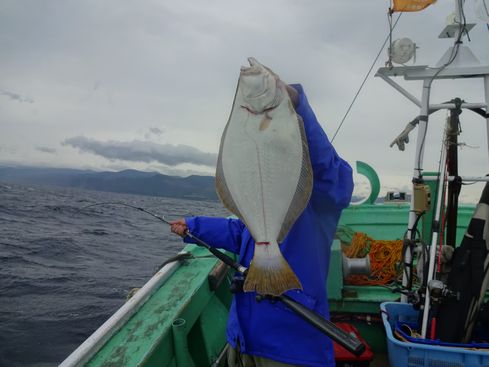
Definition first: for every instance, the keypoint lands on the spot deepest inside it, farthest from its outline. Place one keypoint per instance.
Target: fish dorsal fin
(221, 186)
(223, 191)
(304, 187)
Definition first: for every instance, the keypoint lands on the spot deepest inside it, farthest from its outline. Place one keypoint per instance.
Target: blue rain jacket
(269, 329)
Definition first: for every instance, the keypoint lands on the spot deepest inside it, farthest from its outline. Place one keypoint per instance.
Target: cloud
(46, 150)
(8, 149)
(16, 97)
(153, 132)
(119, 66)
(143, 151)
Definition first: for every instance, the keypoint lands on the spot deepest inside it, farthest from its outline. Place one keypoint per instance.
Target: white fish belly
(262, 163)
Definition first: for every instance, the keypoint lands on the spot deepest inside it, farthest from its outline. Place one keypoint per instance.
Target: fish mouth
(255, 66)
(259, 82)
(255, 79)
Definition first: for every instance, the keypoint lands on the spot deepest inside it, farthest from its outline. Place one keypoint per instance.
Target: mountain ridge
(127, 181)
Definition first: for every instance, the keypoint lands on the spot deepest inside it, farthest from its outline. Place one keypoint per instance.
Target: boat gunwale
(97, 339)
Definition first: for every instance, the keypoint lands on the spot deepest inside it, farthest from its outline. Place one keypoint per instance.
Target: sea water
(64, 271)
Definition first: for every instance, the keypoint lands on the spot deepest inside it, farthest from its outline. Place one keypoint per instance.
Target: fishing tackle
(226, 259)
(340, 336)
(129, 206)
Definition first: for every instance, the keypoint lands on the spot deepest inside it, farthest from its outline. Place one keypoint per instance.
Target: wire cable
(129, 206)
(389, 36)
(453, 55)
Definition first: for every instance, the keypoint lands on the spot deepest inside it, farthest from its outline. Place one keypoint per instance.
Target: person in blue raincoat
(267, 333)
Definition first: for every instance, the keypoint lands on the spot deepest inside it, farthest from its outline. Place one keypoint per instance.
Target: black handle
(220, 255)
(349, 342)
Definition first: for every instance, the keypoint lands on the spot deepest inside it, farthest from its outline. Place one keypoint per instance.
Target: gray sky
(109, 85)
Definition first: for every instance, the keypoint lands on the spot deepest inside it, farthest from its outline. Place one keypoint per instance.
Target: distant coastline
(127, 181)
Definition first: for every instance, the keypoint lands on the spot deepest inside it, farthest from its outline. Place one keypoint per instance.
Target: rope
(366, 77)
(385, 255)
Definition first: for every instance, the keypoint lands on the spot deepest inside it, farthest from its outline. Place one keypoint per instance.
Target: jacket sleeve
(216, 232)
(333, 182)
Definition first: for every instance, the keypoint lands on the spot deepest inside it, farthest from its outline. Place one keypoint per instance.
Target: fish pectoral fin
(269, 273)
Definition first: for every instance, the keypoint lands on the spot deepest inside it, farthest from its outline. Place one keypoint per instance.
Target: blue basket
(437, 342)
(407, 354)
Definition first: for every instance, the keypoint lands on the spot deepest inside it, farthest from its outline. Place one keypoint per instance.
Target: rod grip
(346, 340)
(220, 255)
(349, 342)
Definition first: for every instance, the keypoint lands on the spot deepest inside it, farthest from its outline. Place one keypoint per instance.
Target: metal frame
(435, 235)
(428, 74)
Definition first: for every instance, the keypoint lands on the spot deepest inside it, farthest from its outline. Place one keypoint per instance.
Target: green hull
(181, 320)
(382, 222)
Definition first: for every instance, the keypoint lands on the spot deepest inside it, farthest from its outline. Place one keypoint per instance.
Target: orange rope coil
(385, 255)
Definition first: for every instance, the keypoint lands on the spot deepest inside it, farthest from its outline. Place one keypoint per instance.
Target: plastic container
(473, 345)
(407, 354)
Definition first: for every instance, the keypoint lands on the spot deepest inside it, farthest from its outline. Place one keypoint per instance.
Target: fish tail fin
(269, 273)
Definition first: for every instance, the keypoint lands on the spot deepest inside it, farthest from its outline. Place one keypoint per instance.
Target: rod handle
(220, 255)
(340, 336)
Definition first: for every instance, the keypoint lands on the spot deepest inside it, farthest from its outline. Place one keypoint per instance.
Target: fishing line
(226, 259)
(366, 77)
(351, 343)
(129, 206)
(456, 44)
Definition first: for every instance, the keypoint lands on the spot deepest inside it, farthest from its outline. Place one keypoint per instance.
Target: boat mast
(455, 185)
(458, 62)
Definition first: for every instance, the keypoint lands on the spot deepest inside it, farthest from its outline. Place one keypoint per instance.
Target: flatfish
(264, 173)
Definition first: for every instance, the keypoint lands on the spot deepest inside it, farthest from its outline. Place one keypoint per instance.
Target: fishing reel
(237, 284)
(439, 291)
(414, 297)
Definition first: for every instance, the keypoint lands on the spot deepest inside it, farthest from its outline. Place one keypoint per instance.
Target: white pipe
(434, 237)
(486, 91)
(452, 106)
(432, 107)
(471, 178)
(464, 178)
(400, 89)
(418, 164)
(90, 346)
(458, 17)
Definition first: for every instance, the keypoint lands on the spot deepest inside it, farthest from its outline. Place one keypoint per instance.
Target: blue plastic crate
(415, 325)
(407, 354)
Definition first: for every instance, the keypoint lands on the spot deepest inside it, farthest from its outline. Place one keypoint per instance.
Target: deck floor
(380, 360)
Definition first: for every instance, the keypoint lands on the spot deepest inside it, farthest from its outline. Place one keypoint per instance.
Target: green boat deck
(183, 321)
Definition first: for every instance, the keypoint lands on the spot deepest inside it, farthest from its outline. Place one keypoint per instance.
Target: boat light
(402, 50)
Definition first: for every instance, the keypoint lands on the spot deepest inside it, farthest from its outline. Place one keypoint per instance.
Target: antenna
(456, 23)
(481, 9)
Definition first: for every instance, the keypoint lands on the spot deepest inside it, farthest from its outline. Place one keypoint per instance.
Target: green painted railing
(182, 324)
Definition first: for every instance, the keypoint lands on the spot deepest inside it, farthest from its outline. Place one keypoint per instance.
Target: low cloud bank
(143, 151)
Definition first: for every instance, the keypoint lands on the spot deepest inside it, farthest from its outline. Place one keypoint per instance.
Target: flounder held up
(264, 173)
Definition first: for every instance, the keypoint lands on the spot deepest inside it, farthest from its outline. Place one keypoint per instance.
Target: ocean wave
(66, 270)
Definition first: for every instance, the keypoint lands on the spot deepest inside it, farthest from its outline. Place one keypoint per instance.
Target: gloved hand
(403, 137)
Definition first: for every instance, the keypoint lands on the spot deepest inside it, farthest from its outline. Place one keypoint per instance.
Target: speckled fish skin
(264, 173)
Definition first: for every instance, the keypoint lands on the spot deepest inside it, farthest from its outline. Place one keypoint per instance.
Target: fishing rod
(349, 342)
(223, 257)
(346, 340)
